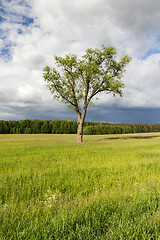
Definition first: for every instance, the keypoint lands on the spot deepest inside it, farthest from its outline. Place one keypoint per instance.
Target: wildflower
(51, 197)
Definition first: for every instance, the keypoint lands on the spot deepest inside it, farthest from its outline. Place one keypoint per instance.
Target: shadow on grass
(133, 137)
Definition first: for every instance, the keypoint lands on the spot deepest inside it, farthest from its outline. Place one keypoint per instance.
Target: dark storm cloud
(124, 115)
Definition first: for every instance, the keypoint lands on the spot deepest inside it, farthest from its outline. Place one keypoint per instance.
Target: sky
(32, 32)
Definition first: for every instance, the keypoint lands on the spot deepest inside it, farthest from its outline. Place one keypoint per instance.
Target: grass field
(108, 187)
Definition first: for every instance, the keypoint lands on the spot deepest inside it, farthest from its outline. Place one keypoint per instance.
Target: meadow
(108, 187)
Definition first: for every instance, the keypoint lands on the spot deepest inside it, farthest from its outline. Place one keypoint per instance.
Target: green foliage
(121, 128)
(96, 72)
(45, 127)
(106, 188)
(74, 80)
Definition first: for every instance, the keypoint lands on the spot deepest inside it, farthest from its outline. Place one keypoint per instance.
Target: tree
(35, 126)
(76, 81)
(45, 127)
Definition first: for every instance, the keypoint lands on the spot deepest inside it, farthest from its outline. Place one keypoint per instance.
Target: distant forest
(70, 127)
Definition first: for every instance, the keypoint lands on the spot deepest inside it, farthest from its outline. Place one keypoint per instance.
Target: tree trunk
(80, 131)
(80, 124)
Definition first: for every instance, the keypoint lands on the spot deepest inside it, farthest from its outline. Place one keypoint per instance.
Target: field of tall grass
(108, 187)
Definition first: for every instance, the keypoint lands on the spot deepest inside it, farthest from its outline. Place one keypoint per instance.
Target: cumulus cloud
(143, 83)
(33, 31)
(29, 56)
(138, 17)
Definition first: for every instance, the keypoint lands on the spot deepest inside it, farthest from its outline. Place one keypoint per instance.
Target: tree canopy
(76, 81)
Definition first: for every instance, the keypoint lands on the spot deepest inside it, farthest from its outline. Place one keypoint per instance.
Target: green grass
(108, 187)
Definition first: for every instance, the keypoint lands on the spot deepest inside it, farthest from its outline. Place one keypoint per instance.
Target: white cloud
(29, 56)
(142, 85)
(136, 16)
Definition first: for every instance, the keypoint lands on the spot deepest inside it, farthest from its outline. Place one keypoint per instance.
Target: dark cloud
(124, 115)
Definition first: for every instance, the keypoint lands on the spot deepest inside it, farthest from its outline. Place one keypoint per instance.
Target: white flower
(51, 197)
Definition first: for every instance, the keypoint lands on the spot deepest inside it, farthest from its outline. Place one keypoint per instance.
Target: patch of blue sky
(20, 19)
(2, 34)
(1, 10)
(154, 49)
(27, 21)
(150, 52)
(10, 14)
(19, 31)
(11, 17)
(5, 53)
(158, 38)
(26, 3)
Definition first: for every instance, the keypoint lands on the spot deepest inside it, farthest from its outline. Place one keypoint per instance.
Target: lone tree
(76, 81)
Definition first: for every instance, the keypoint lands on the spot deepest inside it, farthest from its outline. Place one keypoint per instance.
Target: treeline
(112, 128)
(70, 127)
(38, 126)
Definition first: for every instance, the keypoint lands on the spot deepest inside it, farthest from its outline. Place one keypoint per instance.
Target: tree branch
(72, 88)
(63, 97)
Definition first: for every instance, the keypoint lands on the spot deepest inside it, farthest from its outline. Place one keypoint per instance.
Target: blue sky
(33, 31)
